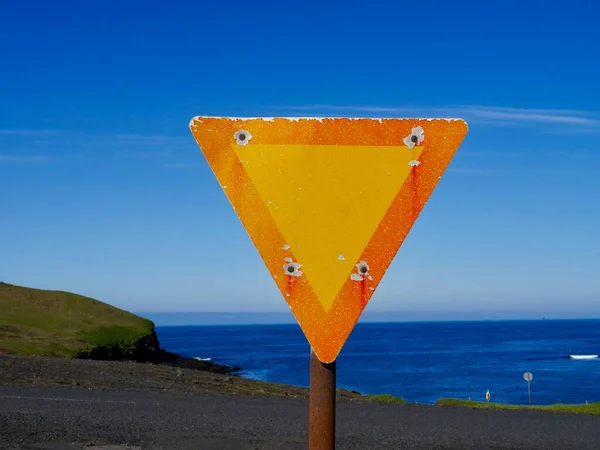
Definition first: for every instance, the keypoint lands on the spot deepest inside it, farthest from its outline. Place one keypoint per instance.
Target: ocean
(418, 361)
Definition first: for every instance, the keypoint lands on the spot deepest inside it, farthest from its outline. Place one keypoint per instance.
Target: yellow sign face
(327, 202)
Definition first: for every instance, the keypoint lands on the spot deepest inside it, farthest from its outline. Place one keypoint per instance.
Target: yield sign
(327, 203)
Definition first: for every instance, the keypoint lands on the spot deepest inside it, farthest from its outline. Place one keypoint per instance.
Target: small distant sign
(528, 376)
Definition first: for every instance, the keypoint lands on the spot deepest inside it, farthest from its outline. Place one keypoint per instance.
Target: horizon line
(293, 322)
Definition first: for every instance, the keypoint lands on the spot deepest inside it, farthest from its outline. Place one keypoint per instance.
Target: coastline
(420, 362)
(180, 375)
(173, 359)
(132, 376)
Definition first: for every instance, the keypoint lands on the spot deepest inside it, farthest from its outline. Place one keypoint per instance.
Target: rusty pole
(321, 423)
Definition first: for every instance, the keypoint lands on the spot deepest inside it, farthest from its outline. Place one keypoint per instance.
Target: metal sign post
(528, 376)
(321, 423)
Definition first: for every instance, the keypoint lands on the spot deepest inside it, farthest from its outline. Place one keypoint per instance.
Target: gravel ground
(139, 406)
(140, 377)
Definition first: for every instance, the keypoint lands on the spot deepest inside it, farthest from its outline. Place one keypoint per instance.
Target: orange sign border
(328, 331)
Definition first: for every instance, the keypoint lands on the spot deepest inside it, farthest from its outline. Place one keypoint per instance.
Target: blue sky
(105, 192)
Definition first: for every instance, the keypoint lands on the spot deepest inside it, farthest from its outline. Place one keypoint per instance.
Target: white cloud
(26, 159)
(472, 113)
(568, 117)
(128, 138)
(143, 154)
(179, 165)
(21, 132)
(467, 171)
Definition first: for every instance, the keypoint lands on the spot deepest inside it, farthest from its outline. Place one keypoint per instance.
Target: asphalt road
(65, 418)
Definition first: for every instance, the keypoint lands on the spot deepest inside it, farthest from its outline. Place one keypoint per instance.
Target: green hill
(56, 323)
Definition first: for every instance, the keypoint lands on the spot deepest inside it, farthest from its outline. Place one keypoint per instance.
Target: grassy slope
(34, 321)
(385, 398)
(592, 408)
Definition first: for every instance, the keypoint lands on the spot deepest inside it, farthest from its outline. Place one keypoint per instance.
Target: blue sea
(419, 362)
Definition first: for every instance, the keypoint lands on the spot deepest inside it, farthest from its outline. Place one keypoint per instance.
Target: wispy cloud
(147, 139)
(121, 137)
(531, 152)
(143, 154)
(118, 145)
(21, 132)
(466, 171)
(343, 109)
(472, 113)
(24, 159)
(180, 165)
(552, 116)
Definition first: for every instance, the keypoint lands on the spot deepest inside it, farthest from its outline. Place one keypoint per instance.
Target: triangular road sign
(327, 203)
